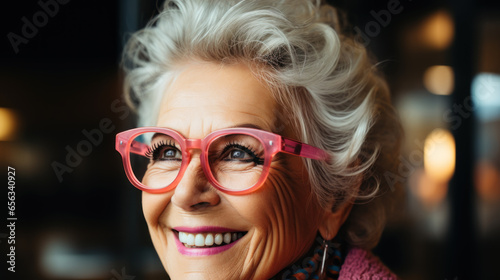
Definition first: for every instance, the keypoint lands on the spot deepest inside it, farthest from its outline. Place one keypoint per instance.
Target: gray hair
(324, 81)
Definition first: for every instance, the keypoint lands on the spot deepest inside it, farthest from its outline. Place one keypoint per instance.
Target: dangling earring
(322, 272)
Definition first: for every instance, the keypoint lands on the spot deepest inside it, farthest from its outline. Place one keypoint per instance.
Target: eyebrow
(157, 134)
(247, 125)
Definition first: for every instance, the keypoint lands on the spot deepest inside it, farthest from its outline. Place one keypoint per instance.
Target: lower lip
(201, 251)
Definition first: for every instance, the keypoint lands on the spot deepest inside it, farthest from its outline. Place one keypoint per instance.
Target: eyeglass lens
(235, 160)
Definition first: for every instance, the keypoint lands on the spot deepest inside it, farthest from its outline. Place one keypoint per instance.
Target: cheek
(284, 214)
(292, 217)
(153, 205)
(293, 199)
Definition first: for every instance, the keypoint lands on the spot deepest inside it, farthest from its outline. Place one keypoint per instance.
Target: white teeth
(199, 240)
(227, 238)
(182, 237)
(218, 238)
(190, 239)
(209, 240)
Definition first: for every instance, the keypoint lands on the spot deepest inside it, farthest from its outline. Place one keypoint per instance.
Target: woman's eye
(163, 151)
(170, 153)
(238, 154)
(233, 154)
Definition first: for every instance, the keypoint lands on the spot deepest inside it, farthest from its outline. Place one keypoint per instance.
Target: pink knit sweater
(362, 265)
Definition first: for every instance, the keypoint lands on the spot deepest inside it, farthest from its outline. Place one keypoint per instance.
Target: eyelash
(152, 152)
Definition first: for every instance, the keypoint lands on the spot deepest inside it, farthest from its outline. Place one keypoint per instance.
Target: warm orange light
(429, 191)
(439, 155)
(438, 30)
(439, 79)
(8, 124)
(487, 181)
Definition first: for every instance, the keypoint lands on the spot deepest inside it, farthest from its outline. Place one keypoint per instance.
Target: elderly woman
(264, 138)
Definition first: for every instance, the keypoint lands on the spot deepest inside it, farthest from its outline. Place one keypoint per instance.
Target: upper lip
(205, 229)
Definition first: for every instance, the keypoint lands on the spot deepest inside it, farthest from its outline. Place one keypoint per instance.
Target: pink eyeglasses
(234, 160)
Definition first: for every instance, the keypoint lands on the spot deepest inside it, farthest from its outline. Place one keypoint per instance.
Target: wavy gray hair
(324, 81)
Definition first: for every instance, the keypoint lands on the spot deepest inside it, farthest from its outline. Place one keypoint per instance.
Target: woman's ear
(334, 220)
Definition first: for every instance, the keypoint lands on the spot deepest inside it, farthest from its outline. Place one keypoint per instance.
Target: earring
(322, 272)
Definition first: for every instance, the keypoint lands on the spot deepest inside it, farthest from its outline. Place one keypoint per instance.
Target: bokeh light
(429, 191)
(8, 124)
(439, 79)
(487, 181)
(486, 96)
(438, 30)
(439, 155)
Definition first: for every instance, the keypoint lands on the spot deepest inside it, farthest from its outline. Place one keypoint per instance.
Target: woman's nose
(194, 192)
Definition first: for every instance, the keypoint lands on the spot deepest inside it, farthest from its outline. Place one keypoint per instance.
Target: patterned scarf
(309, 267)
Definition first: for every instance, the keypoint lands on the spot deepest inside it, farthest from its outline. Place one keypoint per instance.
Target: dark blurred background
(79, 218)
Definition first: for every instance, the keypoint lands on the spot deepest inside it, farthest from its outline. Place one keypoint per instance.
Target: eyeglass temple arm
(300, 149)
(138, 148)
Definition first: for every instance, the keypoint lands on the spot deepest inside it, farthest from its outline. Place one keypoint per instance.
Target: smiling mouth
(207, 240)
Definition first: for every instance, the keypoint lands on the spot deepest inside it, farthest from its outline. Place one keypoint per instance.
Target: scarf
(309, 266)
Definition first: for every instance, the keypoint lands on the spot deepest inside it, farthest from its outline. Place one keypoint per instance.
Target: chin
(228, 260)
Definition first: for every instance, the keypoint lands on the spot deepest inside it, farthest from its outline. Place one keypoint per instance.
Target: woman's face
(274, 225)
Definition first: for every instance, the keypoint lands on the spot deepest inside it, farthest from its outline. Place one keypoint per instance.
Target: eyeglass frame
(272, 143)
